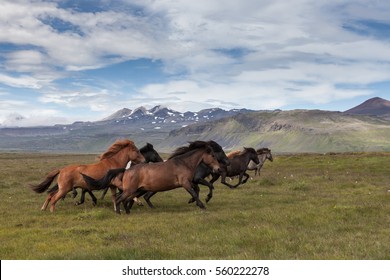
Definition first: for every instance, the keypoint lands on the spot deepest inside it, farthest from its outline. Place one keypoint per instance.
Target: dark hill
(375, 107)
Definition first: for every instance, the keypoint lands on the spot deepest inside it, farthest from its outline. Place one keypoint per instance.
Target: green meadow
(303, 206)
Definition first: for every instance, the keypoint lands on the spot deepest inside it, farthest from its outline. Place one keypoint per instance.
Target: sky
(65, 61)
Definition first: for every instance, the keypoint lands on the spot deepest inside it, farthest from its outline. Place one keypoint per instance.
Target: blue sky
(62, 61)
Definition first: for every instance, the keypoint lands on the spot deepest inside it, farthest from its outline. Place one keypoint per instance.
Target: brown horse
(69, 177)
(177, 171)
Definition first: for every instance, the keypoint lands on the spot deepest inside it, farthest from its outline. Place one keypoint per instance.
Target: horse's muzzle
(217, 170)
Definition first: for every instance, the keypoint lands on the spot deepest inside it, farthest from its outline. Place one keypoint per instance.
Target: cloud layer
(254, 54)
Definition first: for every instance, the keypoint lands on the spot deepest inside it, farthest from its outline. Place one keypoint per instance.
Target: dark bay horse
(69, 177)
(177, 171)
(202, 171)
(263, 154)
(150, 155)
(238, 166)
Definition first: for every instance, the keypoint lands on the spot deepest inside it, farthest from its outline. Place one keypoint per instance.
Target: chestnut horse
(150, 155)
(69, 177)
(177, 171)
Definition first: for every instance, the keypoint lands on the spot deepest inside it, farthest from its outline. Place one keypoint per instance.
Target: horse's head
(210, 159)
(150, 154)
(269, 155)
(219, 153)
(252, 155)
(265, 154)
(123, 151)
(134, 155)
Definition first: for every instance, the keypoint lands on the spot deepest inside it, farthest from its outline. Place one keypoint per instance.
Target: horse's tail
(53, 189)
(40, 188)
(103, 182)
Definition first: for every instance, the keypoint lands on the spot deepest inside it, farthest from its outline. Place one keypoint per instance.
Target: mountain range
(365, 127)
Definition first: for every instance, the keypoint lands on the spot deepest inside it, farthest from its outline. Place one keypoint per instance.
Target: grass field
(302, 207)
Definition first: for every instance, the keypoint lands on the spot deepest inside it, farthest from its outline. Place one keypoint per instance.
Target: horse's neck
(192, 161)
(119, 160)
(247, 158)
(262, 158)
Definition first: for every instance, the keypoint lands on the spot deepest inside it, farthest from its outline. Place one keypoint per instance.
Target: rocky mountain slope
(292, 131)
(166, 129)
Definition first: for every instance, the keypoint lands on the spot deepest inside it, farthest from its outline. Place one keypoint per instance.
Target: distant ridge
(365, 127)
(375, 107)
(160, 114)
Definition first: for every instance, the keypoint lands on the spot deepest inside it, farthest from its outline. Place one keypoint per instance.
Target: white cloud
(23, 81)
(251, 53)
(44, 117)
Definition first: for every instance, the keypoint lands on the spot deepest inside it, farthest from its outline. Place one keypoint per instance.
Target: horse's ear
(150, 146)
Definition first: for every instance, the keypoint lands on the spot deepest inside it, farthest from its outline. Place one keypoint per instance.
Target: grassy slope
(293, 131)
(302, 207)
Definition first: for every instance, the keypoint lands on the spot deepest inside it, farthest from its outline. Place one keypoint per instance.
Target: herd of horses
(188, 167)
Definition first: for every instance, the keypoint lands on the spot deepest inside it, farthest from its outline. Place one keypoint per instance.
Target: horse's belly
(159, 181)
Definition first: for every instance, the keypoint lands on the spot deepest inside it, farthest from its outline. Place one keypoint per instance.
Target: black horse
(238, 166)
(202, 171)
(150, 155)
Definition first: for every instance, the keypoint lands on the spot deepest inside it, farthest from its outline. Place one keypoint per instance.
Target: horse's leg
(46, 203)
(210, 194)
(104, 193)
(223, 181)
(189, 188)
(147, 197)
(74, 193)
(126, 199)
(113, 197)
(128, 203)
(214, 178)
(246, 177)
(196, 188)
(94, 199)
(117, 204)
(239, 181)
(209, 185)
(82, 198)
(60, 193)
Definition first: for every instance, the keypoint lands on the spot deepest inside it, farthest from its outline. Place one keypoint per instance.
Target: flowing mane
(233, 154)
(193, 146)
(263, 151)
(116, 147)
(146, 148)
